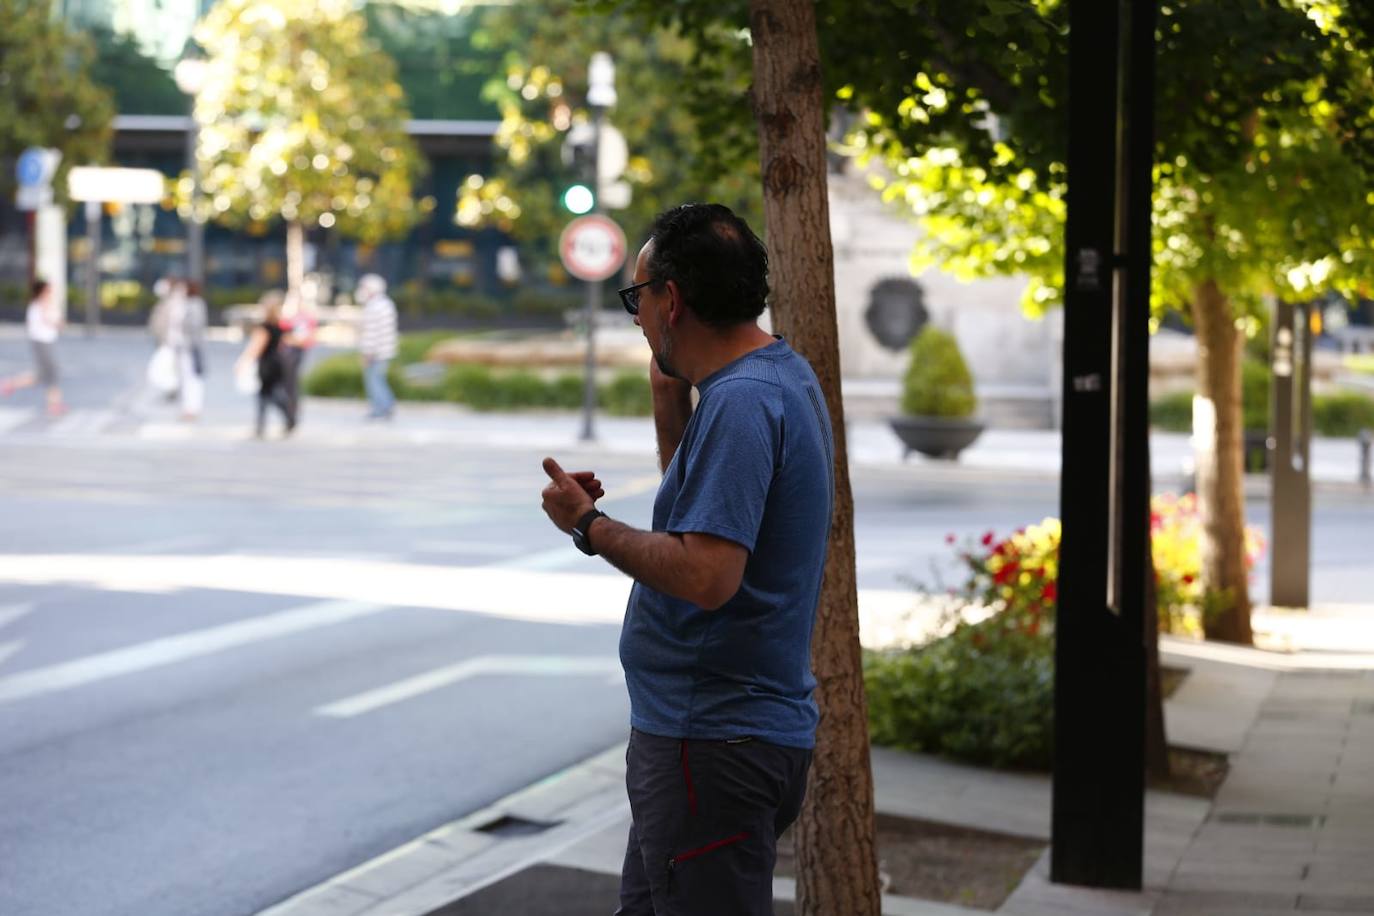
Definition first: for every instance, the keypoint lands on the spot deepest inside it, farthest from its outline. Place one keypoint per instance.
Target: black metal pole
(1098, 781)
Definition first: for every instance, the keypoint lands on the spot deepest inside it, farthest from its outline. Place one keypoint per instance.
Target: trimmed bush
(1343, 413)
(938, 382)
(337, 376)
(628, 395)
(1173, 412)
(984, 694)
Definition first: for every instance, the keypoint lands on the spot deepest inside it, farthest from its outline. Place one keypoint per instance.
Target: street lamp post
(600, 97)
(190, 79)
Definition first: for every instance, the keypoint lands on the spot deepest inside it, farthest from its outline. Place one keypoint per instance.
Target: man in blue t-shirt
(716, 643)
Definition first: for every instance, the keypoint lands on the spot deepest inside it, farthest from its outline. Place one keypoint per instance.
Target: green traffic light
(578, 199)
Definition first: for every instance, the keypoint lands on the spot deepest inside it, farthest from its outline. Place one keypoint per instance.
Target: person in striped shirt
(377, 344)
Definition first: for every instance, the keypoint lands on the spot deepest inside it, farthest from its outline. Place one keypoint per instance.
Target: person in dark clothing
(266, 350)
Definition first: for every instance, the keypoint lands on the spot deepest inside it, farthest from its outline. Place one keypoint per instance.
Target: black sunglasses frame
(629, 296)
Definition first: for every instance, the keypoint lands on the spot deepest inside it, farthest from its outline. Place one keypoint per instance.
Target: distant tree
(302, 120)
(1264, 177)
(680, 149)
(141, 85)
(47, 95)
(438, 67)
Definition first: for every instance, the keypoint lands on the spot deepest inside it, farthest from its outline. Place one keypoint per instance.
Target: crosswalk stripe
(533, 665)
(172, 649)
(9, 648)
(83, 422)
(9, 613)
(12, 417)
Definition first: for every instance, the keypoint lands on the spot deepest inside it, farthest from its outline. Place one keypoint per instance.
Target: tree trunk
(1217, 440)
(837, 870)
(295, 257)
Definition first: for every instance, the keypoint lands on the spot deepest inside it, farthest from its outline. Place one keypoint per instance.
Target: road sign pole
(92, 266)
(593, 295)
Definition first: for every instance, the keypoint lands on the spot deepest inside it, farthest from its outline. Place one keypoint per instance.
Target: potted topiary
(937, 399)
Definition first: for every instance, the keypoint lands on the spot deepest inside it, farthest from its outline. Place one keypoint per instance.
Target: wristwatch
(583, 528)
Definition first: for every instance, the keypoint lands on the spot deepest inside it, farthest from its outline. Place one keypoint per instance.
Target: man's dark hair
(38, 288)
(718, 263)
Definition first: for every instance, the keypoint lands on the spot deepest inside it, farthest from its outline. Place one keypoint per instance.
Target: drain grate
(1270, 820)
(508, 825)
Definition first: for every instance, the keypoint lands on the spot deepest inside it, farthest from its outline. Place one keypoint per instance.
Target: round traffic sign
(592, 247)
(30, 167)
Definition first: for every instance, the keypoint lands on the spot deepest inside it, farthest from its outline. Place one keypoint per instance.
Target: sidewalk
(1292, 828)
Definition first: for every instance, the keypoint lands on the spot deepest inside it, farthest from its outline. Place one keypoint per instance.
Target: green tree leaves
(302, 120)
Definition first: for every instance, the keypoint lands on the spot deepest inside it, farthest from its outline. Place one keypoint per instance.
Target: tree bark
(1217, 438)
(295, 257)
(837, 870)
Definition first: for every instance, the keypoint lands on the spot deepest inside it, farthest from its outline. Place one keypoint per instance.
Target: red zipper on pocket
(701, 851)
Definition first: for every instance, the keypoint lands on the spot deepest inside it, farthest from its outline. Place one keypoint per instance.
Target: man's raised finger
(556, 473)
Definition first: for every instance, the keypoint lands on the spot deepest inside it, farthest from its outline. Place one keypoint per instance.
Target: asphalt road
(232, 669)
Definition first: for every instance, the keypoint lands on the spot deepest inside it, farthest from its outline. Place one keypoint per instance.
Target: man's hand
(568, 497)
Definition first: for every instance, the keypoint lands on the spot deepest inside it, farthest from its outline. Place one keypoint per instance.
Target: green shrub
(1173, 412)
(415, 346)
(567, 391)
(984, 694)
(337, 376)
(546, 302)
(937, 383)
(627, 395)
(1343, 413)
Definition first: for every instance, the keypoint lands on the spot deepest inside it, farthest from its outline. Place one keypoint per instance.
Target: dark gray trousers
(706, 817)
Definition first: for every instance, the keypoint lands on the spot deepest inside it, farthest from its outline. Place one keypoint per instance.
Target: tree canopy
(47, 95)
(1263, 173)
(302, 119)
(682, 146)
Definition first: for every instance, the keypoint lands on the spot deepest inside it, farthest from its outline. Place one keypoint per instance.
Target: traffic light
(578, 199)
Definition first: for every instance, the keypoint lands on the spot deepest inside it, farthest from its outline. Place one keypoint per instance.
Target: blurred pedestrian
(264, 351)
(43, 320)
(178, 324)
(298, 325)
(377, 345)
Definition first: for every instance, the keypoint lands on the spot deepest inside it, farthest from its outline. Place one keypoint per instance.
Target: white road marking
(10, 417)
(553, 558)
(83, 422)
(9, 648)
(472, 548)
(9, 613)
(172, 649)
(535, 665)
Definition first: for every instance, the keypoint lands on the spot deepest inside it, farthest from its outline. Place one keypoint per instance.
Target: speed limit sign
(592, 247)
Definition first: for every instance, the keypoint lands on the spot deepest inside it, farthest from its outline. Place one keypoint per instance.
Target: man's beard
(664, 355)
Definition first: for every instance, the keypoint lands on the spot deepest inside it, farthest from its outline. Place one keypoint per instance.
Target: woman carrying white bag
(178, 323)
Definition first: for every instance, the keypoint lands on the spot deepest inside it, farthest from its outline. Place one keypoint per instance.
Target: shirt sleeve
(734, 451)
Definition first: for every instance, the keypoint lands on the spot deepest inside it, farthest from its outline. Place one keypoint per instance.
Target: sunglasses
(629, 296)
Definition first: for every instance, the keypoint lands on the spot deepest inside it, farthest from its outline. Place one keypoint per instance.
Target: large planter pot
(936, 437)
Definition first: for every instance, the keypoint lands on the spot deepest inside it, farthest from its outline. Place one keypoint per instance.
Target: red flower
(1188, 579)
(987, 539)
(1006, 573)
(1050, 592)
(949, 539)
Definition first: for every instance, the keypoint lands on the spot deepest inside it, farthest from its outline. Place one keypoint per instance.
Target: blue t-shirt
(755, 466)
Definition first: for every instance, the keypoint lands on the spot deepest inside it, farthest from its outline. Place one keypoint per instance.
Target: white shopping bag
(162, 370)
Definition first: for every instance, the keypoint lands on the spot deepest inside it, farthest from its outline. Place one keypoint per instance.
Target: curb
(461, 858)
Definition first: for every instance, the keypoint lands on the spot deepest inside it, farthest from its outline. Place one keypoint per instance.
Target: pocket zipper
(701, 851)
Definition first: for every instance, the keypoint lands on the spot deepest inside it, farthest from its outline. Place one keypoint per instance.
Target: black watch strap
(582, 529)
